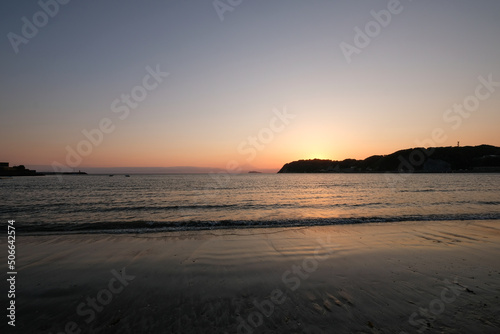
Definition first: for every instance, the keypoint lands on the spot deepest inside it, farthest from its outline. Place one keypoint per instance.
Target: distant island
(475, 159)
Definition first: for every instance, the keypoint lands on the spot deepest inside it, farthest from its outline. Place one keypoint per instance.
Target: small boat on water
(126, 175)
(111, 175)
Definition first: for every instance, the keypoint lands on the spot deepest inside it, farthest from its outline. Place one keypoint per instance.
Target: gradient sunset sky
(228, 78)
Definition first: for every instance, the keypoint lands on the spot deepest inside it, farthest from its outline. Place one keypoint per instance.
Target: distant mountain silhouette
(47, 169)
(483, 158)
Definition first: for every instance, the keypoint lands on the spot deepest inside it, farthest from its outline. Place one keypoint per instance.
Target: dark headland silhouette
(475, 159)
(20, 170)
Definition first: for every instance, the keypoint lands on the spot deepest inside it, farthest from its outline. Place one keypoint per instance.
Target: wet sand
(441, 277)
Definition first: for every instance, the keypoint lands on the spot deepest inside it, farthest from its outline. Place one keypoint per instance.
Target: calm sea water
(142, 203)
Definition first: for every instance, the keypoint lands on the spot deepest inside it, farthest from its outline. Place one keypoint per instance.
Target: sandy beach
(410, 277)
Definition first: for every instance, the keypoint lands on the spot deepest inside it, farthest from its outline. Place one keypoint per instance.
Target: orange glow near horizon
(304, 138)
(272, 157)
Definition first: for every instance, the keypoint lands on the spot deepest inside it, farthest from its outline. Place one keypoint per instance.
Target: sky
(243, 84)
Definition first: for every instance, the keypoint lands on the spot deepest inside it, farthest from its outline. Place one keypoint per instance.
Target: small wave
(167, 207)
(79, 207)
(422, 190)
(135, 227)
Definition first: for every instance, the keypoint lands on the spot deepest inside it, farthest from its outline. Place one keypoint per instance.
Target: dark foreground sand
(439, 277)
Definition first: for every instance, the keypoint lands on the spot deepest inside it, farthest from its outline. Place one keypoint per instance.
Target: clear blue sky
(226, 78)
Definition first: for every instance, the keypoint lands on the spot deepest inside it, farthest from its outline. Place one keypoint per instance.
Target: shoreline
(166, 227)
(371, 278)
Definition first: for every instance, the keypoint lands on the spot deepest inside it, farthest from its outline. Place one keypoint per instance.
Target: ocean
(160, 203)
